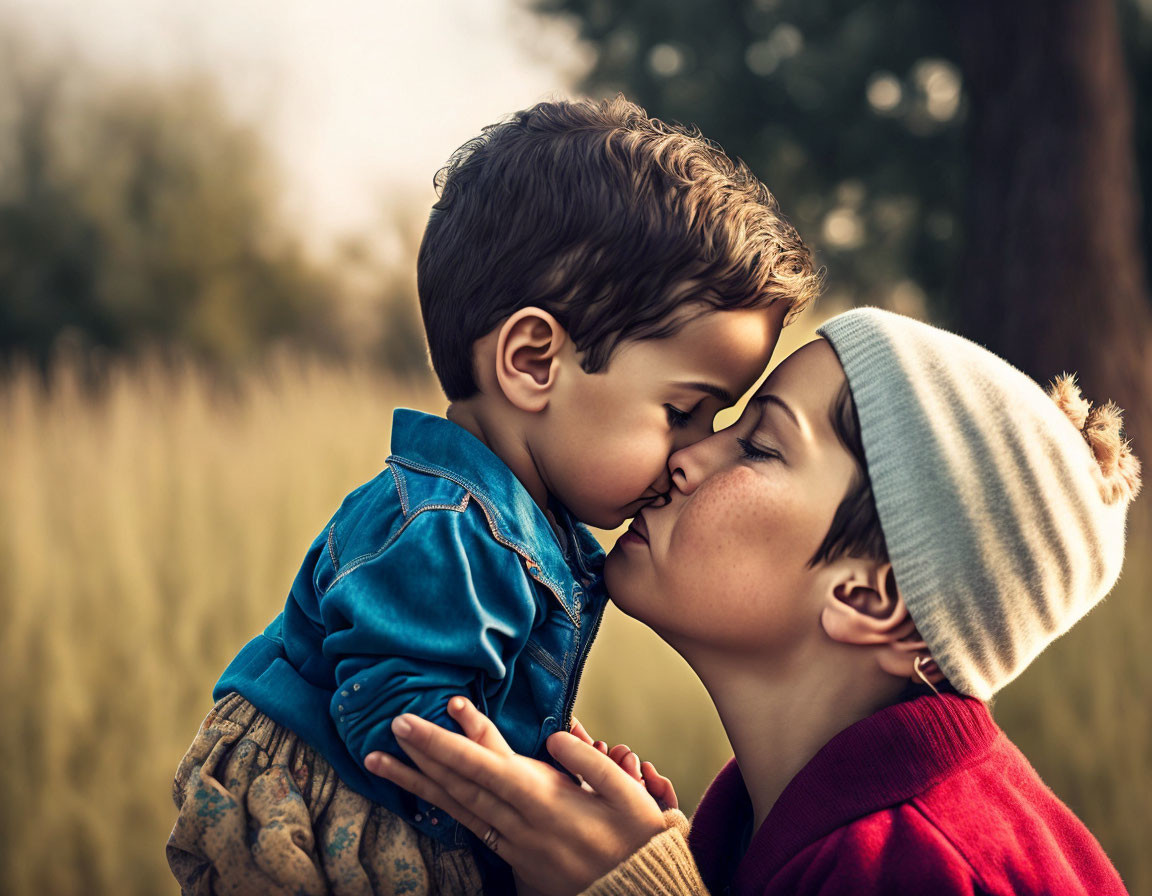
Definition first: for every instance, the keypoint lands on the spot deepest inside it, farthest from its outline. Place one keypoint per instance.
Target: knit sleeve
(662, 867)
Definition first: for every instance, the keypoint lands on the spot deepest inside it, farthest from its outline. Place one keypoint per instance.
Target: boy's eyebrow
(780, 403)
(715, 391)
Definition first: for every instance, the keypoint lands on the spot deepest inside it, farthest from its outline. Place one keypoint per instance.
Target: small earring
(920, 674)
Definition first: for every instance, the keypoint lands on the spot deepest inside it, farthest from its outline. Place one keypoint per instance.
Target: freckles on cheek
(723, 530)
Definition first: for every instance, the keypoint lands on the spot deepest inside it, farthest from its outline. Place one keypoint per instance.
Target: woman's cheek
(728, 521)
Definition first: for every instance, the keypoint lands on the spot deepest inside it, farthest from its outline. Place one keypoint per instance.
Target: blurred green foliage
(140, 214)
(852, 112)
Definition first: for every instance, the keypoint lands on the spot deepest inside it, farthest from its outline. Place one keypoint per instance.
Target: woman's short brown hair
(855, 530)
(606, 218)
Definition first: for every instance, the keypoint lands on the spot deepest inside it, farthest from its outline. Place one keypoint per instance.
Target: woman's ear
(863, 606)
(528, 357)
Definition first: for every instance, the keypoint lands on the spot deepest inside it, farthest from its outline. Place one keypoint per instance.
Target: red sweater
(927, 796)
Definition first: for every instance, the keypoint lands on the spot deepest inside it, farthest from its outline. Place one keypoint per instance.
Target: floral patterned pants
(261, 812)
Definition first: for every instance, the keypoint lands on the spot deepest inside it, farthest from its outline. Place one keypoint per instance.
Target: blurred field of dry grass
(149, 529)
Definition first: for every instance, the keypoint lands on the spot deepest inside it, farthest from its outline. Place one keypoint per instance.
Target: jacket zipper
(571, 702)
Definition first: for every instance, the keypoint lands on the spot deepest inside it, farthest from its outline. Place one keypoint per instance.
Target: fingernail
(401, 727)
(456, 704)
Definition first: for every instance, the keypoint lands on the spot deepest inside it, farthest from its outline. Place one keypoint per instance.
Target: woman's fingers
(659, 787)
(480, 808)
(425, 788)
(578, 730)
(600, 772)
(492, 786)
(469, 761)
(477, 726)
(626, 759)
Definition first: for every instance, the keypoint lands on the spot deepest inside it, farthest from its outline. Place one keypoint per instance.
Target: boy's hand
(659, 787)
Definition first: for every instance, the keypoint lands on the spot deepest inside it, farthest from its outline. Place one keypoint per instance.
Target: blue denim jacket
(441, 576)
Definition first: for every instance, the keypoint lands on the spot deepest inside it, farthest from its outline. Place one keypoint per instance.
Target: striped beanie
(1003, 507)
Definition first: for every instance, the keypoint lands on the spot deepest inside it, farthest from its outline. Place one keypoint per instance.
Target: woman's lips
(638, 530)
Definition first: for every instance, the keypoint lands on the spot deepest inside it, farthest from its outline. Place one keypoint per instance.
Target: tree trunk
(1053, 279)
(1053, 276)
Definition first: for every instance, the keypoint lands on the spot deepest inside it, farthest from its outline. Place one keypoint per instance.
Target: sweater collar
(881, 761)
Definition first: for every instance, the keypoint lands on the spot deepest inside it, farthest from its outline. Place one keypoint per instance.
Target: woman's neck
(778, 716)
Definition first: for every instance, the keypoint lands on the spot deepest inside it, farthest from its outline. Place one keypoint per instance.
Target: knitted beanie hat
(1003, 507)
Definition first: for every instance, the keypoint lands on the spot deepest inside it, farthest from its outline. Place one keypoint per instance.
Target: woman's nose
(691, 465)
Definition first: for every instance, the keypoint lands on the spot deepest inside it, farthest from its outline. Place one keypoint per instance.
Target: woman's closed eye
(752, 451)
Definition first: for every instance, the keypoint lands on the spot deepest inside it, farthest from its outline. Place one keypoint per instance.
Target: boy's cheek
(633, 473)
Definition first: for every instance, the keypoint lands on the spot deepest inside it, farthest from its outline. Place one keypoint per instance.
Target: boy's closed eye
(678, 418)
(711, 394)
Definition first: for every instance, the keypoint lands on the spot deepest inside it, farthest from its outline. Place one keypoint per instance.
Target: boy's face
(724, 565)
(604, 449)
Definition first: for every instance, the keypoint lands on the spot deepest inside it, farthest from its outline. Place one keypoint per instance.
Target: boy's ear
(863, 606)
(528, 357)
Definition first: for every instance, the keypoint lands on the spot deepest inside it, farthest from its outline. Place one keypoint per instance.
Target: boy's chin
(603, 518)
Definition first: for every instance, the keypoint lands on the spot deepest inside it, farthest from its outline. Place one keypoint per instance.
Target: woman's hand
(558, 836)
(659, 787)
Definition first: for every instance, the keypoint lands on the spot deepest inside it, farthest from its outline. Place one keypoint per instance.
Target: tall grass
(150, 526)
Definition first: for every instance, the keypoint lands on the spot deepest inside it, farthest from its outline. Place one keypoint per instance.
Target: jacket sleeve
(661, 867)
(442, 610)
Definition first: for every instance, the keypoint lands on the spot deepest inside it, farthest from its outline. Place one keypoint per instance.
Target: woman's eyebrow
(780, 403)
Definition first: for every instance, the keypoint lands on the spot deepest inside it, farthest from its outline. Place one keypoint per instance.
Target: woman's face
(724, 564)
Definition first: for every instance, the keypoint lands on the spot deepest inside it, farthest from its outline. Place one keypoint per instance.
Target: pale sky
(362, 99)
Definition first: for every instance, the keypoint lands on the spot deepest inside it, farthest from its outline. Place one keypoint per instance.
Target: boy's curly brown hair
(618, 224)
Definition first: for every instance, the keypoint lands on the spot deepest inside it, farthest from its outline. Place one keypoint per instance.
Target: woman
(895, 507)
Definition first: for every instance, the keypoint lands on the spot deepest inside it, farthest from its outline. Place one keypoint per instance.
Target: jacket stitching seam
(332, 548)
(461, 481)
(401, 488)
(545, 659)
(493, 516)
(355, 564)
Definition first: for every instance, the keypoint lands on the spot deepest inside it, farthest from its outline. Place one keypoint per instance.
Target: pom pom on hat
(1101, 428)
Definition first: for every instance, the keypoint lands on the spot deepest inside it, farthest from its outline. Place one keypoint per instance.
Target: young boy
(595, 286)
